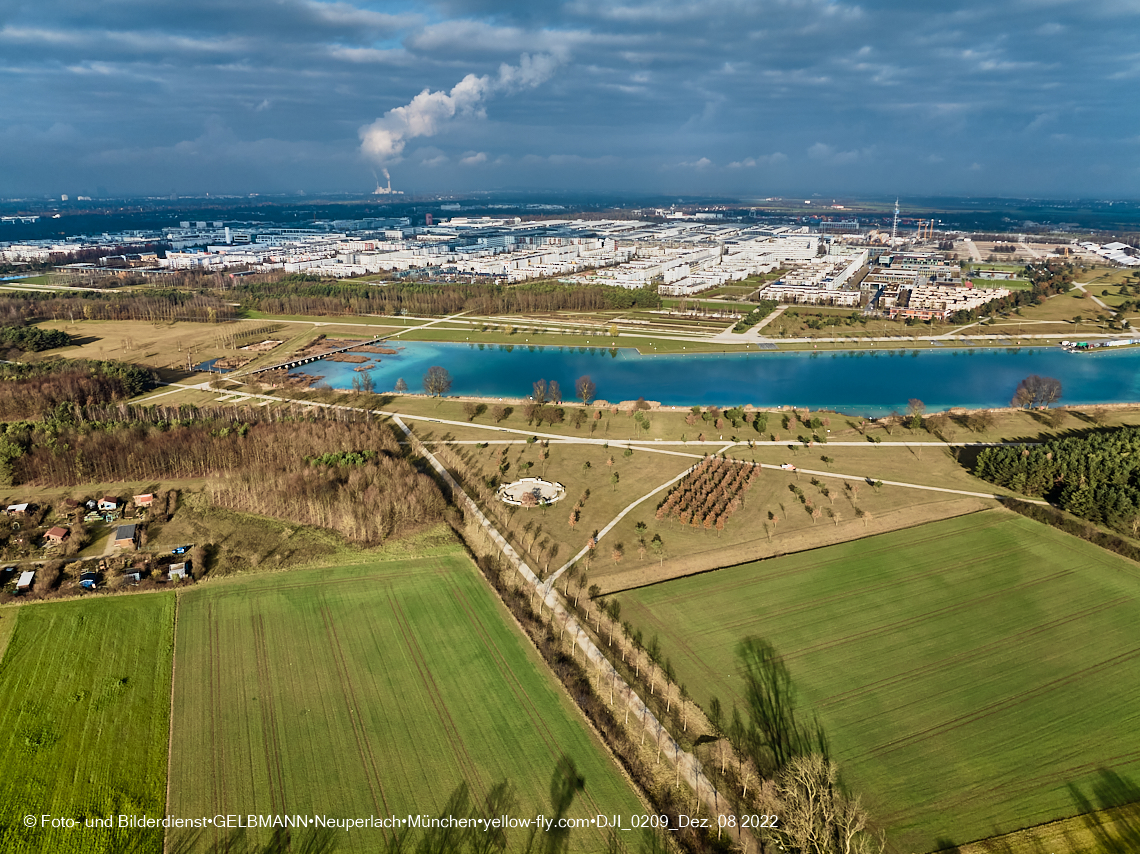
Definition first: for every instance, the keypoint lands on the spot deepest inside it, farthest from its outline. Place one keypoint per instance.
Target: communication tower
(895, 226)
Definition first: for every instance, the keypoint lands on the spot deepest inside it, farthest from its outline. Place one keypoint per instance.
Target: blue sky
(741, 97)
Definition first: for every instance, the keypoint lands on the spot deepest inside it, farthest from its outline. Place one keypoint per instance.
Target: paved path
(975, 255)
(688, 766)
(749, 336)
(555, 576)
(1094, 298)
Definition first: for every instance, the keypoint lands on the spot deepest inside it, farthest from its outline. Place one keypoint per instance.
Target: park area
(84, 702)
(966, 671)
(371, 690)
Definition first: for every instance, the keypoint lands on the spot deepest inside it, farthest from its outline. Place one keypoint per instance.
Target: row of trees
(772, 743)
(150, 305)
(735, 416)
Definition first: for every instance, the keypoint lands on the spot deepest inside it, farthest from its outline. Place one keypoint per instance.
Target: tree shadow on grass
(1111, 812)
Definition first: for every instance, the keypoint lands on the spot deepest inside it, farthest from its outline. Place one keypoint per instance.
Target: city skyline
(1027, 98)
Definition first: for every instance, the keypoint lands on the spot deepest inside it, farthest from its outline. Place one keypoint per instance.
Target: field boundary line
(792, 554)
(170, 712)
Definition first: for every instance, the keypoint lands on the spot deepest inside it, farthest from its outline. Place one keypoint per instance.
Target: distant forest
(19, 308)
(1095, 476)
(306, 294)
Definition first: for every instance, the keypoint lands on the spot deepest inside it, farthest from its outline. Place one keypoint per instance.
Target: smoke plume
(430, 112)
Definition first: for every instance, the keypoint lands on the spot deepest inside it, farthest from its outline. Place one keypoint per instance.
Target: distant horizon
(1027, 100)
(577, 196)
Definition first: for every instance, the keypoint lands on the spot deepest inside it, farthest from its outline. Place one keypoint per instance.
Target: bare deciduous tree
(816, 816)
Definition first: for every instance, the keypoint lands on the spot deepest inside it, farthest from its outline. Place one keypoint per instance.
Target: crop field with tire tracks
(84, 703)
(966, 671)
(370, 690)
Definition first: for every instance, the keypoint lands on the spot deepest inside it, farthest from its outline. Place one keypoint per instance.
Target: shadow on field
(311, 841)
(1111, 812)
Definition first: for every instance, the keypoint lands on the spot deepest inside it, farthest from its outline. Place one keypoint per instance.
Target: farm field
(84, 702)
(965, 670)
(370, 690)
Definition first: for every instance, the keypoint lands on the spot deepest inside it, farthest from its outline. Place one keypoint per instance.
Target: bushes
(1054, 517)
(32, 338)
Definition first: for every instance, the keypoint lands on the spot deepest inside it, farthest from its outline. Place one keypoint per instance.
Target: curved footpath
(687, 765)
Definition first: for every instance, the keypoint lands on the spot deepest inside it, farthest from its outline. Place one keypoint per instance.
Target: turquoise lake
(854, 382)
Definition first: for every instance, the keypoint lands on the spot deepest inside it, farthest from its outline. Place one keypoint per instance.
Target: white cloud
(830, 155)
(474, 158)
(430, 156)
(429, 112)
(773, 159)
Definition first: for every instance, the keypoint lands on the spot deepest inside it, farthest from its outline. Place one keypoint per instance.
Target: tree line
(150, 305)
(1095, 476)
(308, 295)
(770, 757)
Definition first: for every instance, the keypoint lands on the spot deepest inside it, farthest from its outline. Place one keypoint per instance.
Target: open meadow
(371, 690)
(84, 703)
(966, 671)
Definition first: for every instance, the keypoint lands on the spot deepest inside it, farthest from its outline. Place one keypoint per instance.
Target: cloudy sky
(747, 97)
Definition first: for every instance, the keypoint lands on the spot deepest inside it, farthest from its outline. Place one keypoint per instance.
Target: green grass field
(966, 671)
(370, 690)
(84, 701)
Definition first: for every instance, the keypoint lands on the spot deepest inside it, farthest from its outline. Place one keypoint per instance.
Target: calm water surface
(856, 382)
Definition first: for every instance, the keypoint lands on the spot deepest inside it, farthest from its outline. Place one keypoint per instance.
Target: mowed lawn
(371, 690)
(965, 671)
(84, 702)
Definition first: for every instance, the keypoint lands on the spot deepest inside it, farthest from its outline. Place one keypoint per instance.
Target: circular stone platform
(543, 491)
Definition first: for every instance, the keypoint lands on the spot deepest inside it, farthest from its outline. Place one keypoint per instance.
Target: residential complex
(681, 254)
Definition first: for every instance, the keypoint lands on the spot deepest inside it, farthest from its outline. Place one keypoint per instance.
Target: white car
(787, 467)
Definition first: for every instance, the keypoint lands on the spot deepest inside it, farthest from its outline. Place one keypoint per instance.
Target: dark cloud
(1029, 97)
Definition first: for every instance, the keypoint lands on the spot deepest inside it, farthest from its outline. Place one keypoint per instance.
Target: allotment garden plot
(84, 702)
(370, 691)
(965, 670)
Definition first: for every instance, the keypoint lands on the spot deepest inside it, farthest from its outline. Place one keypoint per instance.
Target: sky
(746, 98)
